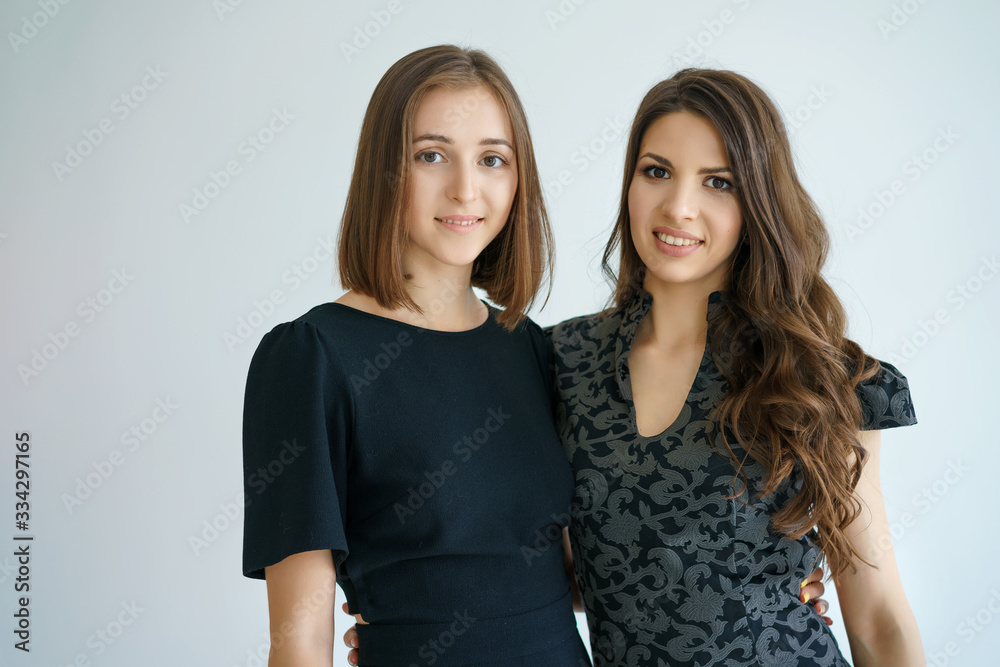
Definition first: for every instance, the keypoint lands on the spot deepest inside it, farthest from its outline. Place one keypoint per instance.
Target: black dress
(672, 571)
(429, 464)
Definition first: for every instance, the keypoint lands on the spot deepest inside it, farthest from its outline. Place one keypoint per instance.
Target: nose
(680, 201)
(463, 186)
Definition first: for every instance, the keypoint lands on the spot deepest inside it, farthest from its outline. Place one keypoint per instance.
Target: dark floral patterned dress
(673, 572)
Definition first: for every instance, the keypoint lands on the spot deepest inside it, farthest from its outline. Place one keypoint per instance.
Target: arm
(880, 625)
(300, 594)
(568, 564)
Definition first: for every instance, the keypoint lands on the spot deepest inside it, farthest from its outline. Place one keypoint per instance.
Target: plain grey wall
(122, 309)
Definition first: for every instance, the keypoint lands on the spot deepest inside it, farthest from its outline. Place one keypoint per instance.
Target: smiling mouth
(676, 240)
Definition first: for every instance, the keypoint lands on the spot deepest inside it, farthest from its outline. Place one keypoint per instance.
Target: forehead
(462, 113)
(685, 136)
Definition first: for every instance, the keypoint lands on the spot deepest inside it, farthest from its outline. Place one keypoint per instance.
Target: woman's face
(684, 214)
(463, 176)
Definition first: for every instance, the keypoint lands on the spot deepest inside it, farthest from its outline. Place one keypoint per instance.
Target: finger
(352, 657)
(821, 607)
(812, 592)
(344, 607)
(816, 575)
(351, 637)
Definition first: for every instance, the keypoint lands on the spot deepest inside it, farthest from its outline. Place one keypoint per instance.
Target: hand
(351, 636)
(811, 590)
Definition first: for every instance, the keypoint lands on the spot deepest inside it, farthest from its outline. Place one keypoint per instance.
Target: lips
(675, 242)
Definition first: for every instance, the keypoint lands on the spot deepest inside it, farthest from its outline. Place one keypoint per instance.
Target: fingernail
(805, 582)
(805, 598)
(354, 642)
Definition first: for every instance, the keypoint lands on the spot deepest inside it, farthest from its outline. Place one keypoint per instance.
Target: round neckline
(489, 318)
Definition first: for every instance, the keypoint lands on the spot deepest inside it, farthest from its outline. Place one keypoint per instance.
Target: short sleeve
(296, 425)
(541, 342)
(885, 400)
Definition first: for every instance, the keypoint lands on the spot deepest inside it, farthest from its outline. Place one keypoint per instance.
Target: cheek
(729, 224)
(636, 210)
(736, 223)
(503, 191)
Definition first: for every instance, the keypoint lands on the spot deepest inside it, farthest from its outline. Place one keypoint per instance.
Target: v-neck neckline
(632, 316)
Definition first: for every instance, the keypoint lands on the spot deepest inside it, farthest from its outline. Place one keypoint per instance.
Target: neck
(677, 317)
(444, 294)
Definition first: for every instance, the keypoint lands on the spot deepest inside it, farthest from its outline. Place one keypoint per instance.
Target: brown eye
(429, 157)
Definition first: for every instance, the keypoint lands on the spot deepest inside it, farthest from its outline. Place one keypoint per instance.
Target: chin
(456, 259)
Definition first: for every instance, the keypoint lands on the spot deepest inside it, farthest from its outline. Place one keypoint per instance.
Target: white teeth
(670, 240)
(461, 223)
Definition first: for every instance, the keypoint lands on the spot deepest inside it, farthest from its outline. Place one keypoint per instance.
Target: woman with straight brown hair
(723, 430)
(420, 465)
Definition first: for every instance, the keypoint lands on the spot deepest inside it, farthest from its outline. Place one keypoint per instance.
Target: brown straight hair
(512, 268)
(779, 337)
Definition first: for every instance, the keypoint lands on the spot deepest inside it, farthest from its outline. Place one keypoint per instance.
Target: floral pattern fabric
(672, 571)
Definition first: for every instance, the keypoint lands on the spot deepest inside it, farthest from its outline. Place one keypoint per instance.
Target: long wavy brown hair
(779, 335)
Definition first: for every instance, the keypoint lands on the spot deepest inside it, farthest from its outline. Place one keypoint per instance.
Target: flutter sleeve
(885, 400)
(296, 430)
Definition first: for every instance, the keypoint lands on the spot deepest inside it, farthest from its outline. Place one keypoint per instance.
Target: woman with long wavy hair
(722, 428)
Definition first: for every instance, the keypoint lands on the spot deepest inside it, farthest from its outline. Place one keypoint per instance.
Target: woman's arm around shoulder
(880, 625)
(300, 599)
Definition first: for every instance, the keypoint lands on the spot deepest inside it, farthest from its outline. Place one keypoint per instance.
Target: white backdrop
(172, 179)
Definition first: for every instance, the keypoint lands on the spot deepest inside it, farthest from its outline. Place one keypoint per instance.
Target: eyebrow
(705, 170)
(447, 140)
